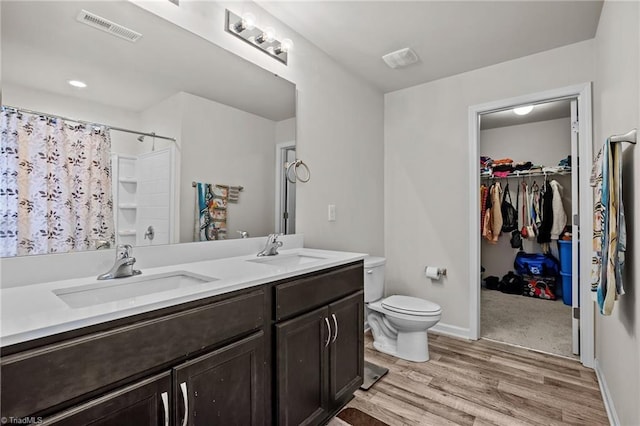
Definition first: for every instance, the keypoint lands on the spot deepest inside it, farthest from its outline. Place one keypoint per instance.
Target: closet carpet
(539, 324)
(481, 383)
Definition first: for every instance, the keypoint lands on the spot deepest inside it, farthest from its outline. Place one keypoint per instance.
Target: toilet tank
(373, 278)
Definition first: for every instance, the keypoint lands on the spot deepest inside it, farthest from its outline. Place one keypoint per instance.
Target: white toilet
(399, 324)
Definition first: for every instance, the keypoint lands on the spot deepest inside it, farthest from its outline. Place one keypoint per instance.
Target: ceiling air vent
(112, 28)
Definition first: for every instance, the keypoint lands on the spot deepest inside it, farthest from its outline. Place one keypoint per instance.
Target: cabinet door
(346, 352)
(224, 387)
(145, 403)
(302, 368)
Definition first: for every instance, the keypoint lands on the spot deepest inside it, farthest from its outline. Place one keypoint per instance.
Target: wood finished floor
(482, 383)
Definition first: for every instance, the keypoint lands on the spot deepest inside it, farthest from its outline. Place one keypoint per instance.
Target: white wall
(617, 110)
(339, 129)
(286, 130)
(224, 145)
(426, 178)
(543, 143)
(79, 109)
(339, 121)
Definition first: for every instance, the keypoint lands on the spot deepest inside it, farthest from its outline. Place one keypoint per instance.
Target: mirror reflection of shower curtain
(55, 185)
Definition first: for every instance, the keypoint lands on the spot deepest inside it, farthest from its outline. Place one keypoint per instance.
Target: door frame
(281, 149)
(581, 92)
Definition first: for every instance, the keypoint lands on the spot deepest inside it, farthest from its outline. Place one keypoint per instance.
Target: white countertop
(34, 311)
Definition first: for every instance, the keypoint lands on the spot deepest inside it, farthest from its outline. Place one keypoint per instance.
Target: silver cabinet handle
(369, 271)
(335, 322)
(326, 320)
(165, 404)
(185, 399)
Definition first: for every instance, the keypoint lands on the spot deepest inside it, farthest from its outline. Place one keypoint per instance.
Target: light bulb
(523, 110)
(248, 21)
(77, 83)
(269, 34)
(286, 45)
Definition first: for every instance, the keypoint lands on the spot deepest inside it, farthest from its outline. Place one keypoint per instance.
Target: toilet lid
(410, 305)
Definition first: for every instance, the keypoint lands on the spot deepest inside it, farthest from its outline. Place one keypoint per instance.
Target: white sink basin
(287, 259)
(128, 288)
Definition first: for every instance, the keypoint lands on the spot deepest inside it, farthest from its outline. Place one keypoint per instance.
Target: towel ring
(294, 166)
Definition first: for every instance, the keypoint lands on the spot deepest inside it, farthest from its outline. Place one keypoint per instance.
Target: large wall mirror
(73, 177)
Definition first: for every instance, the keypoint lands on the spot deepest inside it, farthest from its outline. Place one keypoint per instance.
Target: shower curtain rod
(88, 123)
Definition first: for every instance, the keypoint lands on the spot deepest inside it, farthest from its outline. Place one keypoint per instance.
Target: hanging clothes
(559, 215)
(493, 215)
(546, 221)
(609, 230)
(487, 232)
(484, 192)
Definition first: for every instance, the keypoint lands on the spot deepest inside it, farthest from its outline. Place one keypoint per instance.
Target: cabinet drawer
(75, 367)
(310, 292)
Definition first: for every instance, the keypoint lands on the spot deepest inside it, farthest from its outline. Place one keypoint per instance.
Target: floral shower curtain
(55, 185)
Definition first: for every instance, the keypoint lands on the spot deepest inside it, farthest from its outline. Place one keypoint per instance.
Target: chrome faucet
(272, 246)
(123, 267)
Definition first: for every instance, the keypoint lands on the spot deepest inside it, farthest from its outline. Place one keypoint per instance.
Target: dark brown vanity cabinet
(145, 403)
(320, 353)
(224, 387)
(76, 372)
(286, 353)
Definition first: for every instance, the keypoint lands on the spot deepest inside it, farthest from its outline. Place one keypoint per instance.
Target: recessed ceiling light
(78, 83)
(523, 110)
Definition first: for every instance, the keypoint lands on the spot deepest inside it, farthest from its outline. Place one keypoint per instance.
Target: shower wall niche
(143, 188)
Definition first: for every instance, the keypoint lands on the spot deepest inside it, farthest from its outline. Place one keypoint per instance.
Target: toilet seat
(410, 306)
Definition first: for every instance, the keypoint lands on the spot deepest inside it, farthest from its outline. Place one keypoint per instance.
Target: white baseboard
(606, 396)
(451, 330)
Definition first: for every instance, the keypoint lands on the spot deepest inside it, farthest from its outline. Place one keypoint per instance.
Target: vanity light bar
(258, 38)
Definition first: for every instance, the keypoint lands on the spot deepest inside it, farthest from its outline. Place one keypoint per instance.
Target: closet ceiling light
(77, 83)
(523, 110)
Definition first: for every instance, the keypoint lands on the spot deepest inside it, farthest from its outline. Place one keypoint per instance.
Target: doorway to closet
(527, 191)
(576, 197)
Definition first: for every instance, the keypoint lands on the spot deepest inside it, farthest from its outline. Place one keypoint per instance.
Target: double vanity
(244, 340)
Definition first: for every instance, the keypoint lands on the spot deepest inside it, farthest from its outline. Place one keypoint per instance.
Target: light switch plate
(332, 213)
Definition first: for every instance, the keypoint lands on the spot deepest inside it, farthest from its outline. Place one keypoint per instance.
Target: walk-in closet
(528, 195)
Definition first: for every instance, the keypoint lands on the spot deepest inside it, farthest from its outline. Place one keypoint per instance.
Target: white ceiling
(541, 112)
(450, 37)
(43, 46)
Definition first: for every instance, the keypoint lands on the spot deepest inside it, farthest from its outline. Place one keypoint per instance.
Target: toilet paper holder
(434, 272)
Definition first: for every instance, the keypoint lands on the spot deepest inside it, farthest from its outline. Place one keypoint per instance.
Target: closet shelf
(523, 174)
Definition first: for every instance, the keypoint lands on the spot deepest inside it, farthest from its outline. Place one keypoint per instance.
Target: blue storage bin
(564, 247)
(566, 288)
